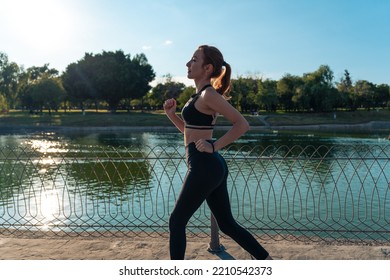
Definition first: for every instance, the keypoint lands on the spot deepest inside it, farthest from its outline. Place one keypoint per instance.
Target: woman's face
(196, 68)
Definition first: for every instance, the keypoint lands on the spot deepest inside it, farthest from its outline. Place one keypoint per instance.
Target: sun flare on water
(50, 156)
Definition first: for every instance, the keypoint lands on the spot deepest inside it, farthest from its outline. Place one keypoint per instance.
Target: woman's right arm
(170, 111)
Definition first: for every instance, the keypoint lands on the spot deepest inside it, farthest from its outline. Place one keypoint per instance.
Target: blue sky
(266, 38)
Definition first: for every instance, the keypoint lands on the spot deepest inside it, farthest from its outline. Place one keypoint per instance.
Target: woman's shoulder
(210, 94)
(214, 102)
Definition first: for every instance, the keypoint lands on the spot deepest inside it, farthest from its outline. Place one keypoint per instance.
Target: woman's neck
(199, 84)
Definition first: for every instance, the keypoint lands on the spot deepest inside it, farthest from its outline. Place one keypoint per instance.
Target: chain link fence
(324, 193)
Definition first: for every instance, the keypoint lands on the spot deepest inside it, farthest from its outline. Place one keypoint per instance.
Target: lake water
(78, 180)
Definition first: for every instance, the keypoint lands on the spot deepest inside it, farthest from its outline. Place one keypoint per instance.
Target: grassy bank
(104, 118)
(78, 119)
(339, 117)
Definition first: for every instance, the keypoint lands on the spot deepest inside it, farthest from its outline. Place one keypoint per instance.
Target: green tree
(78, 85)
(382, 95)
(185, 95)
(35, 78)
(319, 90)
(286, 88)
(168, 89)
(36, 73)
(46, 93)
(267, 97)
(243, 92)
(301, 98)
(365, 94)
(3, 104)
(110, 77)
(9, 79)
(345, 89)
(144, 74)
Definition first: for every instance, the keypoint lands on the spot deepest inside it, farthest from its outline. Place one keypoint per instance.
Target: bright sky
(267, 38)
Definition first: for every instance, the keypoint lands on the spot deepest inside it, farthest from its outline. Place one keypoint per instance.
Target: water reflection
(52, 178)
(50, 207)
(107, 177)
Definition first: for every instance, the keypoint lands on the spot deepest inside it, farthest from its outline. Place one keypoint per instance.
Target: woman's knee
(176, 222)
(172, 222)
(229, 228)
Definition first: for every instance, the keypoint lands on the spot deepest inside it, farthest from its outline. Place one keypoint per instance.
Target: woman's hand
(170, 106)
(170, 110)
(203, 145)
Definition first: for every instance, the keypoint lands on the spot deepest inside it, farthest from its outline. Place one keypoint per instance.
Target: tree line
(115, 80)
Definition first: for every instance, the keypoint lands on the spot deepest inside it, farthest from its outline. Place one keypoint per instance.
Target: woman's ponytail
(222, 83)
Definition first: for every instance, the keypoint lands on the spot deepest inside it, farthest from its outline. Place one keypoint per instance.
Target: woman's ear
(209, 69)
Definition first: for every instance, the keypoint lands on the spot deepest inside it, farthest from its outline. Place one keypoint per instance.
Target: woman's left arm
(239, 124)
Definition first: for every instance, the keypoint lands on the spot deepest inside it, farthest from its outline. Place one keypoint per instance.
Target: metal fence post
(214, 246)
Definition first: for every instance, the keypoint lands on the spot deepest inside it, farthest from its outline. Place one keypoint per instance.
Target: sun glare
(49, 207)
(40, 24)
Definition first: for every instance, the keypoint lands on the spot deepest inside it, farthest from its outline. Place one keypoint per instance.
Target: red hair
(221, 69)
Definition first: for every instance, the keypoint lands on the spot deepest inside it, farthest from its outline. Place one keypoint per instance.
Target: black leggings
(206, 180)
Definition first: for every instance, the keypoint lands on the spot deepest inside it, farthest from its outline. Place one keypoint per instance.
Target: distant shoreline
(372, 126)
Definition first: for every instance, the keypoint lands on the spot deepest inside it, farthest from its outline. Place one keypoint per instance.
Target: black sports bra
(195, 119)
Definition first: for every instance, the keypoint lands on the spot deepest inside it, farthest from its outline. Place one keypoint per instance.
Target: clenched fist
(170, 106)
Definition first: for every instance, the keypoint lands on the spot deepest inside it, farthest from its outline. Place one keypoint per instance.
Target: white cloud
(177, 79)
(148, 47)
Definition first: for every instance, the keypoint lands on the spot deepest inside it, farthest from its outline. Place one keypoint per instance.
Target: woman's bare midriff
(193, 135)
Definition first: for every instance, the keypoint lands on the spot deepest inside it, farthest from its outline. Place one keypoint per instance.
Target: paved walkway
(104, 248)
